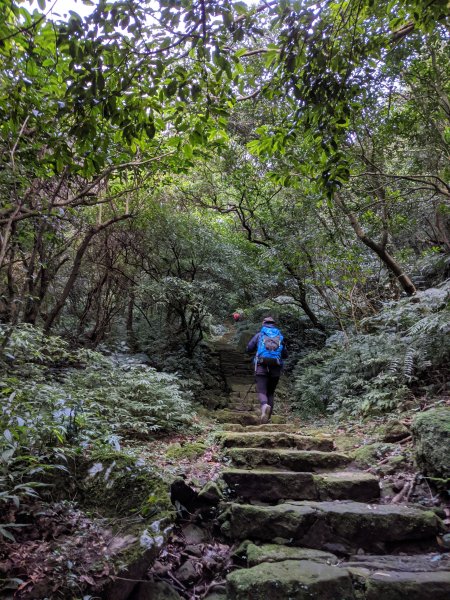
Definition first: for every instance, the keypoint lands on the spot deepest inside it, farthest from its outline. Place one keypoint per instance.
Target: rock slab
(296, 580)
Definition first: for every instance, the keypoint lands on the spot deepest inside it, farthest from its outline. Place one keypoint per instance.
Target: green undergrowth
(187, 450)
(63, 409)
(397, 355)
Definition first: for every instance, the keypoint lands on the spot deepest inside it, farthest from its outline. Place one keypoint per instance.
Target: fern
(404, 348)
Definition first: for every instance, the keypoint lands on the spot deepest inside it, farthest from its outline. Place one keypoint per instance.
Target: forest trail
(313, 525)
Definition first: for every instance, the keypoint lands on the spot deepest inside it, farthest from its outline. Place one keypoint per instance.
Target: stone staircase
(311, 526)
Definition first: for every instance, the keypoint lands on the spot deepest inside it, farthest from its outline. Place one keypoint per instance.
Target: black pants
(265, 387)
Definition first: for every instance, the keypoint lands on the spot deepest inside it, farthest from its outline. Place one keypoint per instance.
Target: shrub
(49, 405)
(403, 350)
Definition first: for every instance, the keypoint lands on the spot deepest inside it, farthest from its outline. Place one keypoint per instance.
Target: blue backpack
(270, 346)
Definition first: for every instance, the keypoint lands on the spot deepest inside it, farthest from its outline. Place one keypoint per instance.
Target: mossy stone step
(290, 579)
(417, 577)
(274, 439)
(413, 586)
(316, 580)
(417, 563)
(243, 406)
(231, 416)
(347, 485)
(244, 418)
(346, 526)
(277, 553)
(243, 393)
(272, 486)
(239, 384)
(244, 400)
(291, 460)
(262, 427)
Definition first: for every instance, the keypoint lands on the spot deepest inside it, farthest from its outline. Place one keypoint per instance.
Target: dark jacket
(272, 371)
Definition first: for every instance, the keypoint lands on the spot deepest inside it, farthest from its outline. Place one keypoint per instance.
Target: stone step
(231, 416)
(264, 553)
(241, 407)
(290, 579)
(344, 527)
(240, 401)
(321, 579)
(262, 427)
(253, 405)
(418, 563)
(347, 485)
(240, 395)
(272, 486)
(244, 417)
(291, 460)
(274, 439)
(239, 384)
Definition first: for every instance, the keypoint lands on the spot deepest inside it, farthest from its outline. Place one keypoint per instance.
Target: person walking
(270, 350)
(236, 316)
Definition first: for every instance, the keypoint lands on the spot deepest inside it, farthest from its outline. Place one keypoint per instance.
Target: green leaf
(188, 151)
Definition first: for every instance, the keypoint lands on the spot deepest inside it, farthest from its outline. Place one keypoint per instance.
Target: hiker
(237, 316)
(270, 351)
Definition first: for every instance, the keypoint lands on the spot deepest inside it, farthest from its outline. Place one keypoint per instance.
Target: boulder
(393, 431)
(431, 434)
(369, 455)
(187, 572)
(211, 493)
(194, 534)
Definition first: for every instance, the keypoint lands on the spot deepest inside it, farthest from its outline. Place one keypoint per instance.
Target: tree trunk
(54, 313)
(379, 250)
(301, 299)
(130, 308)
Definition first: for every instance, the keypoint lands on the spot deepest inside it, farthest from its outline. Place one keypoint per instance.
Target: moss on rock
(297, 580)
(370, 454)
(431, 434)
(393, 431)
(277, 553)
(119, 486)
(187, 450)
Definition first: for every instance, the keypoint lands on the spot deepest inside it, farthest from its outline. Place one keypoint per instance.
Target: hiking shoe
(265, 413)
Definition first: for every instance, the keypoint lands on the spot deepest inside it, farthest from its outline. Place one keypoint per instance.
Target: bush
(404, 350)
(49, 405)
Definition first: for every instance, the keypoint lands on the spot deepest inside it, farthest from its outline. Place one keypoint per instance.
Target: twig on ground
(178, 583)
(411, 489)
(427, 406)
(406, 440)
(404, 491)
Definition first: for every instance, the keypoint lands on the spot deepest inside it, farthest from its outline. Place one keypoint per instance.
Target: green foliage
(186, 451)
(132, 400)
(49, 410)
(405, 350)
